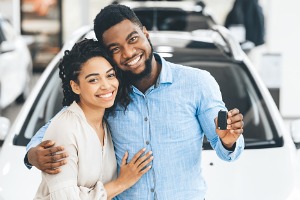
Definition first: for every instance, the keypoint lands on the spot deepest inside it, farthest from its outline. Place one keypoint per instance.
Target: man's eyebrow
(132, 33)
(93, 74)
(128, 36)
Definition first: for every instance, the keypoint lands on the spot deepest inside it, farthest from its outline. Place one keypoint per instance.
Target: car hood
(14, 174)
(257, 174)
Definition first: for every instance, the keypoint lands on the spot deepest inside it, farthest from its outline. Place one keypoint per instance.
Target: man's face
(130, 48)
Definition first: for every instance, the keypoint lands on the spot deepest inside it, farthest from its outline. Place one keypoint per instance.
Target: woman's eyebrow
(93, 74)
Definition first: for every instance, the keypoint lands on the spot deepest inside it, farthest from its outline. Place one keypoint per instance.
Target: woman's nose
(104, 85)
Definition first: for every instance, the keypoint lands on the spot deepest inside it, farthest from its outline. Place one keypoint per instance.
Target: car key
(222, 120)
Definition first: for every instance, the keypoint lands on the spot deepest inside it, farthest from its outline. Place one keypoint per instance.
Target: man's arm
(43, 155)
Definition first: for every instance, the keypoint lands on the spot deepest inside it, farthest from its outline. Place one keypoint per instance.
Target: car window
(8, 31)
(47, 104)
(175, 19)
(2, 38)
(238, 91)
(235, 84)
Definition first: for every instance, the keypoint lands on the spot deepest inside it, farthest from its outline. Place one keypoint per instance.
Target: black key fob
(222, 120)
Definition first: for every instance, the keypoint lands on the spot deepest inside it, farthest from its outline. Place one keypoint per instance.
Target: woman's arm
(38, 152)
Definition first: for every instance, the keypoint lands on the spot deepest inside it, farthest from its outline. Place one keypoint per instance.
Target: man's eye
(114, 50)
(133, 39)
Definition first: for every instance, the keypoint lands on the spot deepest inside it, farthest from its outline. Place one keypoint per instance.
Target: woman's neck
(94, 117)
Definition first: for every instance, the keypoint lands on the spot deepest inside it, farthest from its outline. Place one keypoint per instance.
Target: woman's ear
(75, 87)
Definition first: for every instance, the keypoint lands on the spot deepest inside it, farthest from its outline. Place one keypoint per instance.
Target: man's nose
(128, 51)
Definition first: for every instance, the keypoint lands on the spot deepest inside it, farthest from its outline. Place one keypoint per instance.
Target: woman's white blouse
(89, 165)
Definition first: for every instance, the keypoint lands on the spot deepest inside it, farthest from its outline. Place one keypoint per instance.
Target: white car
(15, 66)
(268, 169)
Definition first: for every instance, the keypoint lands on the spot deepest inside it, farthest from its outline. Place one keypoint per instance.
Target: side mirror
(4, 127)
(7, 46)
(295, 131)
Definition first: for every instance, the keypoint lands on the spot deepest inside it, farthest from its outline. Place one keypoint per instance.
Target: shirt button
(146, 118)
(152, 190)
(147, 142)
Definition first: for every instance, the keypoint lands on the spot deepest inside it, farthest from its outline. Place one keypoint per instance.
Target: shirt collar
(165, 75)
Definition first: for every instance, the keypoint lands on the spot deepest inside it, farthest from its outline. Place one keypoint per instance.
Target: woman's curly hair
(72, 62)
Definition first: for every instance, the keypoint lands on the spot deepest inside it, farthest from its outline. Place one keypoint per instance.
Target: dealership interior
(256, 41)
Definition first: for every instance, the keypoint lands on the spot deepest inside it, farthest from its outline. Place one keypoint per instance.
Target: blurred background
(46, 24)
(32, 33)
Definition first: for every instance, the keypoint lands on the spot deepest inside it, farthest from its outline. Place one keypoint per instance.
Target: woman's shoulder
(67, 121)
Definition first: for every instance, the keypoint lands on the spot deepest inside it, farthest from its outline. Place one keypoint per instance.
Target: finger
(124, 159)
(237, 125)
(52, 171)
(142, 159)
(216, 122)
(145, 163)
(47, 143)
(235, 118)
(137, 155)
(55, 157)
(237, 132)
(233, 112)
(55, 165)
(145, 170)
(53, 150)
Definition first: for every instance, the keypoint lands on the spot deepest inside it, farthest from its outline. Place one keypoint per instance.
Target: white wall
(283, 37)
(77, 13)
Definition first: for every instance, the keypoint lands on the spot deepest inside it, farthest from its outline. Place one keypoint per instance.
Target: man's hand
(234, 128)
(46, 157)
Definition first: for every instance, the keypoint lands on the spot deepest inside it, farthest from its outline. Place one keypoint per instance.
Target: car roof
(187, 5)
(171, 15)
(209, 44)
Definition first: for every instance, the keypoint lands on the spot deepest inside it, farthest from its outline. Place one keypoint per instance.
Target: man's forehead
(120, 30)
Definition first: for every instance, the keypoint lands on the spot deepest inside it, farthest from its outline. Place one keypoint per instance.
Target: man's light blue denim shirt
(170, 119)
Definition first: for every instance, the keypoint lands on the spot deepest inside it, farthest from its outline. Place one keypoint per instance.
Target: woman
(90, 87)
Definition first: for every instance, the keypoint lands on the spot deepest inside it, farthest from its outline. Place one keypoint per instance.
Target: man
(171, 109)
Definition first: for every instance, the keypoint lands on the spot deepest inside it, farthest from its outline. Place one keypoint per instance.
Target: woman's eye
(93, 80)
(111, 75)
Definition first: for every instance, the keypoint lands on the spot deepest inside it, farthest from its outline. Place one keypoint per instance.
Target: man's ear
(145, 31)
(75, 87)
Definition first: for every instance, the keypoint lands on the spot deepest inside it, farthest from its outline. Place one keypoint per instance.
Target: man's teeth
(105, 95)
(134, 61)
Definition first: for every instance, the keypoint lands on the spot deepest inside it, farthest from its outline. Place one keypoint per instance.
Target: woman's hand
(131, 172)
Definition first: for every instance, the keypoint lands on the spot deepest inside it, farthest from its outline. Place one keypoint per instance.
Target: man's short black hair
(112, 15)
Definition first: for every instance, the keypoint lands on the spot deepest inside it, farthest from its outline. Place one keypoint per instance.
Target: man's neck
(145, 83)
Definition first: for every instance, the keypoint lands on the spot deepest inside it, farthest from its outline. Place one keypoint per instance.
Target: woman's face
(97, 84)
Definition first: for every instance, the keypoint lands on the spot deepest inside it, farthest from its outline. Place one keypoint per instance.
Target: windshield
(175, 19)
(239, 91)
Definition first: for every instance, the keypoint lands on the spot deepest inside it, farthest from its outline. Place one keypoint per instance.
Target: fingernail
(144, 149)
(150, 152)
